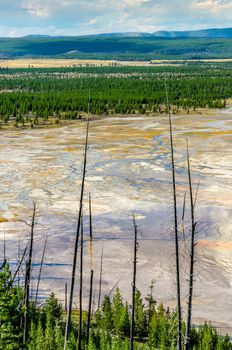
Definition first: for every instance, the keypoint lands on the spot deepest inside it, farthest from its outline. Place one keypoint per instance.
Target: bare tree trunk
(40, 270)
(90, 234)
(28, 279)
(65, 298)
(183, 216)
(192, 254)
(19, 253)
(4, 248)
(90, 306)
(80, 290)
(91, 269)
(179, 333)
(94, 302)
(100, 281)
(73, 277)
(134, 285)
(17, 270)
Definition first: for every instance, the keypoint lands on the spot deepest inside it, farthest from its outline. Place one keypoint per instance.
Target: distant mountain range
(201, 33)
(205, 43)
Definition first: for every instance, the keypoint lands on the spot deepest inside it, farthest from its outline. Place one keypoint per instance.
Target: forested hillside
(116, 47)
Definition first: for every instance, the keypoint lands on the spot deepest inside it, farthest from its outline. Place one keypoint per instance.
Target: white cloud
(214, 6)
(133, 3)
(45, 8)
(91, 21)
(36, 8)
(76, 17)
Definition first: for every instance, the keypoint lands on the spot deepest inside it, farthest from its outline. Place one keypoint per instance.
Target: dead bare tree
(73, 277)
(17, 270)
(65, 297)
(28, 278)
(179, 333)
(90, 234)
(183, 216)
(91, 269)
(100, 281)
(90, 306)
(40, 270)
(19, 253)
(134, 284)
(4, 248)
(80, 289)
(192, 256)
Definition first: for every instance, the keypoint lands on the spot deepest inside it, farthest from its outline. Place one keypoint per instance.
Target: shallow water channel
(128, 172)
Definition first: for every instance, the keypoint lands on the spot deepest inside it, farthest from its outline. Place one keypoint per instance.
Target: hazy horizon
(113, 33)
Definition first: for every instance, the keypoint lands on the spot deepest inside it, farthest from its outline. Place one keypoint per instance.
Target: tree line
(42, 95)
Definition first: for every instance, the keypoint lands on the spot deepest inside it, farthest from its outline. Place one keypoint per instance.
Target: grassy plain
(56, 63)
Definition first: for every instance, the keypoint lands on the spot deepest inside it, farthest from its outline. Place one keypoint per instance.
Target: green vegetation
(116, 47)
(31, 96)
(155, 326)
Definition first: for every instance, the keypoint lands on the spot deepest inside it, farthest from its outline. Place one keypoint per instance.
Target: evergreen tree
(107, 316)
(140, 316)
(11, 299)
(50, 333)
(40, 344)
(155, 326)
(121, 322)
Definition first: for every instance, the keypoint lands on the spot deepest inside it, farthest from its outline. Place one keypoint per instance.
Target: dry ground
(56, 63)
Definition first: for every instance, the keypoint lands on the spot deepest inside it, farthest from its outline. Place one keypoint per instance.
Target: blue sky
(77, 17)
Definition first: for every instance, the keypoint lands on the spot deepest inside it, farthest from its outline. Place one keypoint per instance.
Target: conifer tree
(10, 312)
(140, 316)
(107, 316)
(121, 322)
(40, 345)
(49, 333)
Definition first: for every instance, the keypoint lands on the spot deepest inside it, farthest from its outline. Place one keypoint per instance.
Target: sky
(80, 17)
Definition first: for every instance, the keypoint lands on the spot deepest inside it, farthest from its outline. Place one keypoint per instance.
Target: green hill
(116, 47)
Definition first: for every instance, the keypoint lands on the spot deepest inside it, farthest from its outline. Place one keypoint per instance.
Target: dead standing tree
(17, 269)
(134, 284)
(28, 278)
(179, 333)
(81, 288)
(4, 248)
(192, 256)
(183, 216)
(91, 268)
(100, 280)
(65, 298)
(73, 277)
(40, 270)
